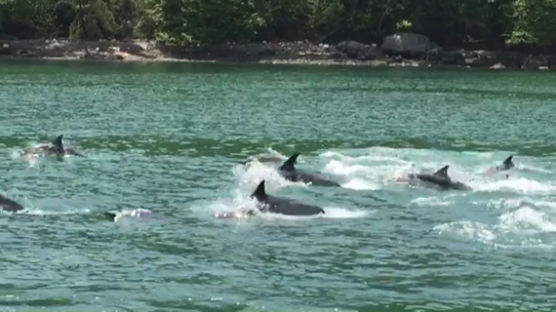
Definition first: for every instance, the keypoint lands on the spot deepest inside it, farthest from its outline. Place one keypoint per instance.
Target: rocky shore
(393, 53)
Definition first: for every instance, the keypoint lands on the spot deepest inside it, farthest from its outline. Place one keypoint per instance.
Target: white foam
(516, 228)
(467, 230)
(248, 177)
(366, 172)
(342, 213)
(42, 212)
(272, 152)
(361, 184)
(15, 154)
(531, 168)
(278, 216)
(517, 184)
(430, 201)
(133, 214)
(527, 220)
(237, 207)
(342, 168)
(362, 159)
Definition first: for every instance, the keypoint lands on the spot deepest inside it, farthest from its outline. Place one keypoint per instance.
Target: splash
(522, 226)
(44, 212)
(248, 177)
(468, 230)
(514, 184)
(342, 213)
(364, 172)
(527, 220)
(132, 215)
(234, 208)
(430, 201)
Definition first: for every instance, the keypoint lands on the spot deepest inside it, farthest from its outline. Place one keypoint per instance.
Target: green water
(168, 138)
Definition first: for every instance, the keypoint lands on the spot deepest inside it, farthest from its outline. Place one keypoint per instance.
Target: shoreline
(349, 53)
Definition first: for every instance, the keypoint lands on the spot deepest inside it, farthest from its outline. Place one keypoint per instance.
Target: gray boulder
(535, 62)
(481, 58)
(452, 57)
(408, 44)
(357, 50)
(511, 59)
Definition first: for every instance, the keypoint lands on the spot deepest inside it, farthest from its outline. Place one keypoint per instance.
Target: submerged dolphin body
(506, 165)
(267, 203)
(55, 148)
(9, 205)
(441, 179)
(289, 172)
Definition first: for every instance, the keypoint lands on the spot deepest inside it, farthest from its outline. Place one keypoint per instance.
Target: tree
(534, 23)
(215, 21)
(27, 18)
(64, 15)
(93, 21)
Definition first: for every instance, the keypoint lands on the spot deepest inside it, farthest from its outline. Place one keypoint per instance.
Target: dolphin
(9, 205)
(55, 148)
(441, 179)
(267, 203)
(289, 172)
(506, 165)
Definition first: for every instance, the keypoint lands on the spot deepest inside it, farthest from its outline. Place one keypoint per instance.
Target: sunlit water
(163, 143)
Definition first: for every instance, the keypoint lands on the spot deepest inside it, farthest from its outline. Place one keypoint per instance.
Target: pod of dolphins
(265, 202)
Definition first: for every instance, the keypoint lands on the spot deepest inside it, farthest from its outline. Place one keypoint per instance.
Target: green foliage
(26, 18)
(215, 21)
(534, 23)
(103, 19)
(451, 23)
(93, 21)
(64, 14)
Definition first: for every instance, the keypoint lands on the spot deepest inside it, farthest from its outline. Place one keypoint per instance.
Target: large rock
(408, 44)
(535, 62)
(357, 50)
(452, 57)
(512, 59)
(132, 48)
(481, 58)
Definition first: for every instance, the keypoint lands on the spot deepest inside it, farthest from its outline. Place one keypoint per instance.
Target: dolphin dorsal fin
(260, 193)
(58, 143)
(442, 172)
(508, 163)
(289, 165)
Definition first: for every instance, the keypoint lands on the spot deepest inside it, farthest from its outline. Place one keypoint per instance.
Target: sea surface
(164, 145)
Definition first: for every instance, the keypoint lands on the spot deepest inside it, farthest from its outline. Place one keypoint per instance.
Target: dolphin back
(433, 178)
(305, 177)
(460, 186)
(58, 145)
(290, 207)
(507, 164)
(7, 204)
(443, 182)
(317, 179)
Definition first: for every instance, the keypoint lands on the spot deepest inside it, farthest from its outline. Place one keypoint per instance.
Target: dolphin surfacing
(55, 148)
(289, 172)
(506, 165)
(440, 178)
(9, 205)
(267, 203)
